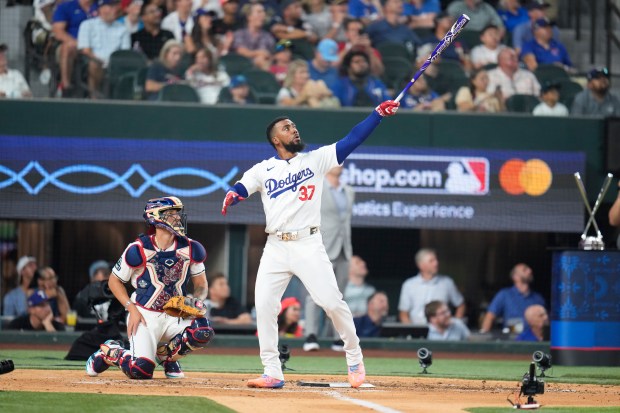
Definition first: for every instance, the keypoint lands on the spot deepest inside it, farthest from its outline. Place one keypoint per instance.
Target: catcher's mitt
(185, 307)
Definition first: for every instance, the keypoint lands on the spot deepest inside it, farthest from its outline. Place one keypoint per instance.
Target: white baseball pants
(307, 259)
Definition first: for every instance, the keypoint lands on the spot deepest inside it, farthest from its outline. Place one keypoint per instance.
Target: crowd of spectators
(427, 300)
(362, 50)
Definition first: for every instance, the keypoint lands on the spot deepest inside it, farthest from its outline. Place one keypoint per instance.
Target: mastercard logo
(532, 177)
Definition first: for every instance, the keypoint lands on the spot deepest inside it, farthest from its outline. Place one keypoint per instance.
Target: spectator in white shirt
(12, 82)
(510, 78)
(180, 22)
(98, 38)
(550, 105)
(486, 53)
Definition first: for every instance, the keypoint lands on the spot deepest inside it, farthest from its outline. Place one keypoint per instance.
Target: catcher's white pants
(160, 328)
(307, 259)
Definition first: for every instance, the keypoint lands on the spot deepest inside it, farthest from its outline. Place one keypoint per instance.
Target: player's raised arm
(362, 130)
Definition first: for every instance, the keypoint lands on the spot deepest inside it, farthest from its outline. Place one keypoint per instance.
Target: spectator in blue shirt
(14, 302)
(365, 10)
(537, 319)
(324, 65)
(65, 25)
(421, 13)
(543, 49)
(510, 302)
(389, 29)
(357, 87)
(421, 97)
(369, 325)
(98, 38)
(512, 14)
(523, 32)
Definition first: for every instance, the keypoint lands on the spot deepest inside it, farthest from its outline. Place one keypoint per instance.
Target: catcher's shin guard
(140, 368)
(196, 336)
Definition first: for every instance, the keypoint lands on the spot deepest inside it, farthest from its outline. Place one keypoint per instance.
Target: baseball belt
(295, 235)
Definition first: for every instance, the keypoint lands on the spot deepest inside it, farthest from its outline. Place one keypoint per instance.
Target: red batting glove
(388, 108)
(232, 198)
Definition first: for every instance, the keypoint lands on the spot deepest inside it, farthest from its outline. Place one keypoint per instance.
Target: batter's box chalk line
(338, 385)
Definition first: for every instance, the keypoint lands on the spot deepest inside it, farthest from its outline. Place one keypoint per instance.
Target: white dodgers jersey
(291, 189)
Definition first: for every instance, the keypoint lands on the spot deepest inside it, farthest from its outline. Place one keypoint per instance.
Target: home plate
(332, 385)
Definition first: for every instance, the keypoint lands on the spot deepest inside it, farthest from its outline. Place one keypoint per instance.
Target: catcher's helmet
(156, 215)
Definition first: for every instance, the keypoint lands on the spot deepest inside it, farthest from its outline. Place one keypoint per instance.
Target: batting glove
(387, 108)
(232, 198)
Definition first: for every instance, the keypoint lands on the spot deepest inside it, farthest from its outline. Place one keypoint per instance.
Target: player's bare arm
(120, 292)
(201, 287)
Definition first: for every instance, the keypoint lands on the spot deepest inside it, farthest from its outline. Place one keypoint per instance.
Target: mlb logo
(468, 176)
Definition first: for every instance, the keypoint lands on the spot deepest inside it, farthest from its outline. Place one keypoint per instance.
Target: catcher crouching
(164, 323)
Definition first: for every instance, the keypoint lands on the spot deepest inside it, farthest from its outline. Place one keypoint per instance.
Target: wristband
(127, 303)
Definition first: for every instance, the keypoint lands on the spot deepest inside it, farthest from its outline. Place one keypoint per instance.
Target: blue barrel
(585, 308)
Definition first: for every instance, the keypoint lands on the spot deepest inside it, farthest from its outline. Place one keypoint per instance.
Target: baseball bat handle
(441, 46)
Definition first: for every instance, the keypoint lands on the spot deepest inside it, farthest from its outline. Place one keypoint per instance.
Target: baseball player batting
(291, 185)
(159, 266)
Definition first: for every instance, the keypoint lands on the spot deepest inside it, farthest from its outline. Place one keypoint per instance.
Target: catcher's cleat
(112, 351)
(172, 369)
(266, 382)
(357, 375)
(96, 364)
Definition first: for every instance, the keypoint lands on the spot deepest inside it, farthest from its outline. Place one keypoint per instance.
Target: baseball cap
(37, 298)
(238, 80)
(549, 85)
(285, 3)
(107, 2)
(544, 22)
(328, 49)
(532, 5)
(597, 73)
(23, 261)
(283, 45)
(287, 302)
(96, 266)
(203, 12)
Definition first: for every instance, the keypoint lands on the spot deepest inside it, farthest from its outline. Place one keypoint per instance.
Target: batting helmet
(157, 214)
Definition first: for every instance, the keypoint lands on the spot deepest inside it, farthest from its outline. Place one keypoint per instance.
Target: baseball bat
(441, 46)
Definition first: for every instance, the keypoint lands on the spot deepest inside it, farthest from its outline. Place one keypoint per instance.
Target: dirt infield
(391, 394)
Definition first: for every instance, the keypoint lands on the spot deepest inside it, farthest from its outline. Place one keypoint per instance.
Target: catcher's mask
(167, 213)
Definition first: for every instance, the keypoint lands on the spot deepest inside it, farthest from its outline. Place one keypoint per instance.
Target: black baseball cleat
(311, 343)
(338, 345)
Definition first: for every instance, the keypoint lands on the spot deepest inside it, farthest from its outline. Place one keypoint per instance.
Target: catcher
(164, 323)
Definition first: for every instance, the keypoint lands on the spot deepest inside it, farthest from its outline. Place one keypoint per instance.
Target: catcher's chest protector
(166, 273)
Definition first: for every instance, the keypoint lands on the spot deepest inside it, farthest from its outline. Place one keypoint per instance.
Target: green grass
(546, 409)
(36, 402)
(508, 370)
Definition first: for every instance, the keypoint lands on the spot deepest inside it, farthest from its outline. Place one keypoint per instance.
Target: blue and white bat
(441, 46)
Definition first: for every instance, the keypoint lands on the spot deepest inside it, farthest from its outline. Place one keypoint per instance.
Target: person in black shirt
(151, 38)
(39, 317)
(224, 309)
